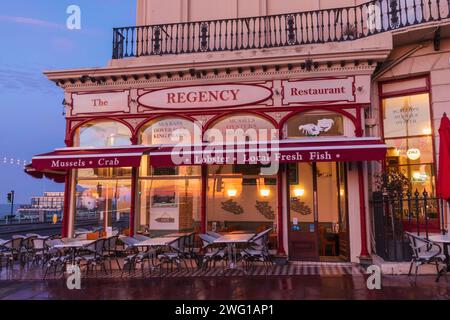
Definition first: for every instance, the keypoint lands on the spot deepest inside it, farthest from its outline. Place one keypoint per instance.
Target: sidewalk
(310, 287)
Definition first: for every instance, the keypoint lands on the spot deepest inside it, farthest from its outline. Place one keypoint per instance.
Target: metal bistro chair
(211, 251)
(27, 250)
(137, 255)
(110, 251)
(12, 251)
(190, 248)
(424, 251)
(39, 251)
(54, 257)
(175, 254)
(93, 256)
(258, 249)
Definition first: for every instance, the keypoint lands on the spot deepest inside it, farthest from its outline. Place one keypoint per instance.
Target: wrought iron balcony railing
(282, 30)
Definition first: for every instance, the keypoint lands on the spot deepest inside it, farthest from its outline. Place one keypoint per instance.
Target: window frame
(405, 93)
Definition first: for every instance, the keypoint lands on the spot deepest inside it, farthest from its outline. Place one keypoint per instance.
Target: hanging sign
(208, 96)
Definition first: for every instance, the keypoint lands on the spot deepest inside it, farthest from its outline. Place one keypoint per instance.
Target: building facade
(333, 92)
(43, 208)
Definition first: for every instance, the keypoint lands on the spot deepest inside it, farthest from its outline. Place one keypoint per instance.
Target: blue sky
(34, 38)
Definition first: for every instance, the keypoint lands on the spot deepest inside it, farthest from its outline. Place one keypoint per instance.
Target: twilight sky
(34, 38)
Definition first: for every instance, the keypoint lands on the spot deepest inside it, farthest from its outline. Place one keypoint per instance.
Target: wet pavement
(312, 287)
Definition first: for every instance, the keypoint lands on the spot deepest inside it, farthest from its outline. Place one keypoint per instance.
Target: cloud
(24, 79)
(32, 22)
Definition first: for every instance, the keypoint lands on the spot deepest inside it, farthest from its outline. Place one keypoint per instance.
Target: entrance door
(318, 212)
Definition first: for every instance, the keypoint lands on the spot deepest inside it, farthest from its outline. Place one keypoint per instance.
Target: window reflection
(169, 199)
(103, 134)
(407, 116)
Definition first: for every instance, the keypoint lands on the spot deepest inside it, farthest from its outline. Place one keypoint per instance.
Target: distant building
(42, 208)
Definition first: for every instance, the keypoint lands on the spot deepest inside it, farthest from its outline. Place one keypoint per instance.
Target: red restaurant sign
(72, 158)
(209, 96)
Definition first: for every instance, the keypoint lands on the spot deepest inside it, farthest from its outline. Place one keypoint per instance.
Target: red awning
(284, 151)
(56, 176)
(80, 158)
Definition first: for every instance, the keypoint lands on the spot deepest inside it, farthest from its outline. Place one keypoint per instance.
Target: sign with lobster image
(315, 125)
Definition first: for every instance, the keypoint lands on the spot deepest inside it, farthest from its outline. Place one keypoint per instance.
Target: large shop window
(408, 134)
(103, 195)
(169, 199)
(241, 199)
(103, 199)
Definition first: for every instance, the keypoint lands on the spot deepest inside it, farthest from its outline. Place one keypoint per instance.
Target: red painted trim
(259, 109)
(280, 211)
(348, 115)
(147, 120)
(134, 174)
(99, 119)
(408, 92)
(402, 92)
(269, 96)
(362, 206)
(204, 195)
(66, 214)
(211, 122)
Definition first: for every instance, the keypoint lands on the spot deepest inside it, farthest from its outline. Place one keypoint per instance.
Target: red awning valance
(80, 158)
(56, 176)
(284, 151)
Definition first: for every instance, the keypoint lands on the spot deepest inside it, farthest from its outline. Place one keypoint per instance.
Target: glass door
(318, 228)
(303, 241)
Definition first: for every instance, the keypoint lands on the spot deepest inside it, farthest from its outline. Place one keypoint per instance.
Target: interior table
(231, 240)
(444, 239)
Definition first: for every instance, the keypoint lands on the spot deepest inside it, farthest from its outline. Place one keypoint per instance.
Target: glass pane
(302, 198)
(328, 208)
(104, 173)
(240, 199)
(421, 177)
(168, 131)
(410, 151)
(103, 203)
(407, 116)
(103, 134)
(169, 205)
(146, 170)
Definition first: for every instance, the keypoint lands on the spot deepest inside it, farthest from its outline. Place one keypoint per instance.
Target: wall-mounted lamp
(231, 193)
(264, 192)
(299, 192)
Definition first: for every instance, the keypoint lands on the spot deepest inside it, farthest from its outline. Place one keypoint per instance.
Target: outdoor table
(156, 242)
(73, 246)
(444, 239)
(231, 240)
(178, 235)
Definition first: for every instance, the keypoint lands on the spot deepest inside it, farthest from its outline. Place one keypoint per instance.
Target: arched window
(168, 131)
(250, 126)
(102, 134)
(318, 124)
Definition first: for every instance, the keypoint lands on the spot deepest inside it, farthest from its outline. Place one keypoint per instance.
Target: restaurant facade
(220, 116)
